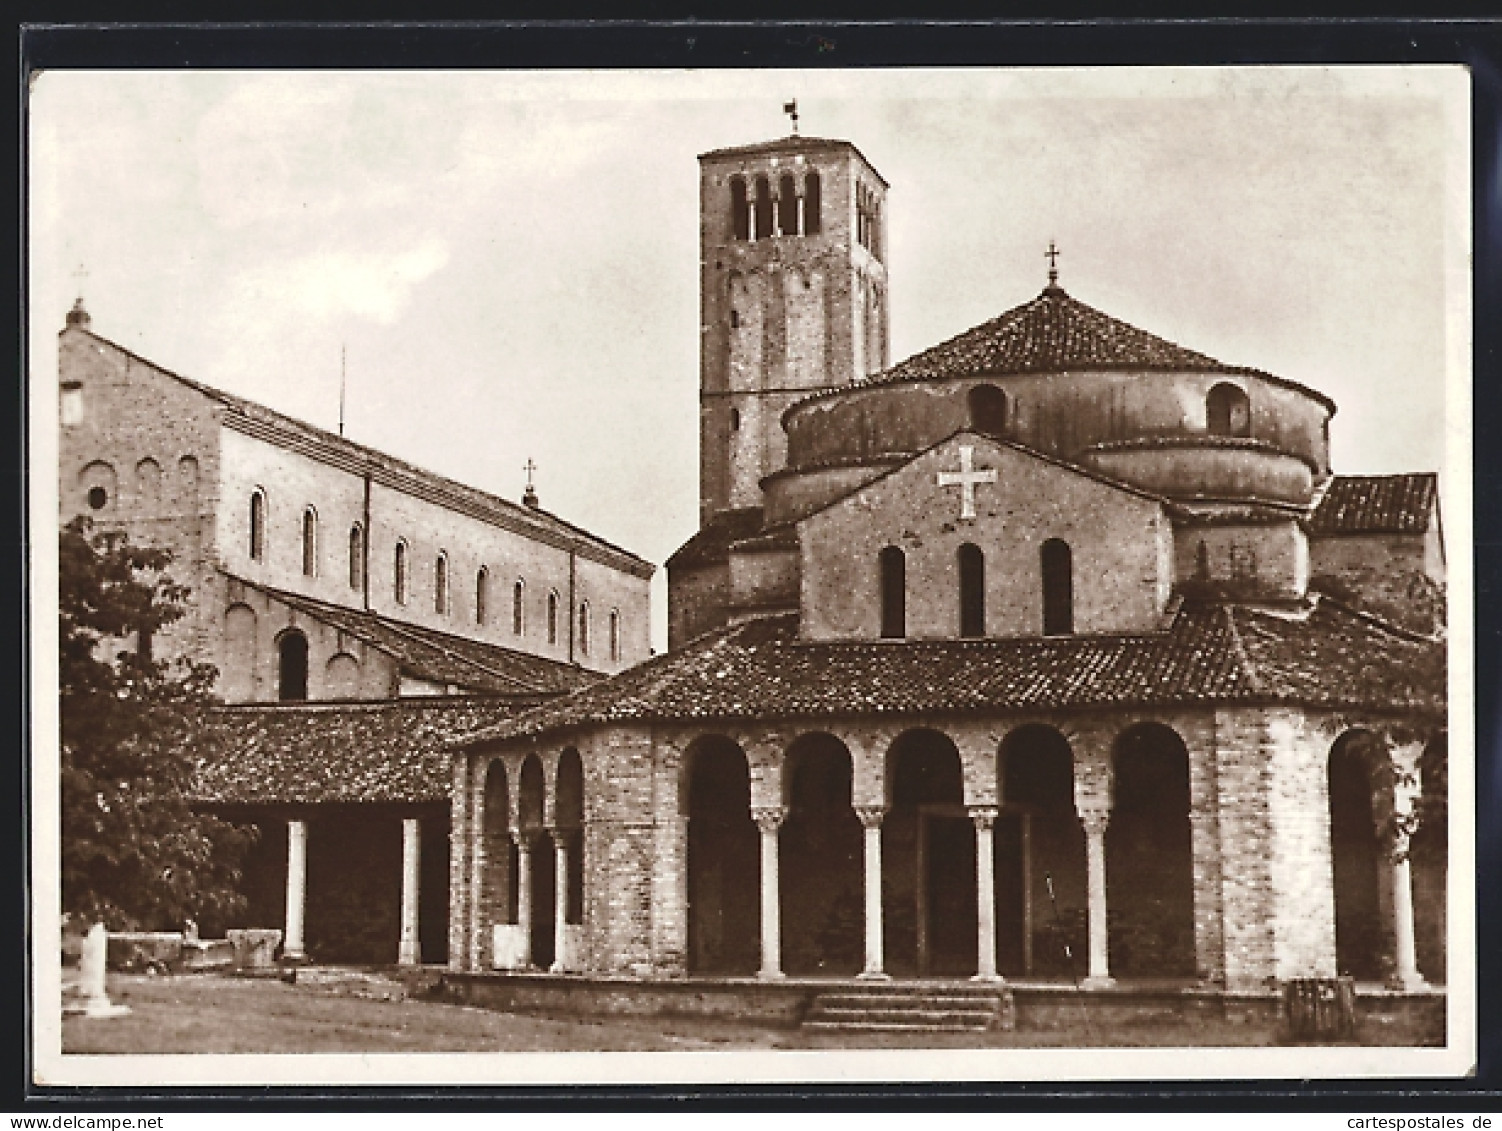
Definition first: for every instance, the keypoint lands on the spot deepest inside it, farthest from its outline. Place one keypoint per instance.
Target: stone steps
(948, 1009)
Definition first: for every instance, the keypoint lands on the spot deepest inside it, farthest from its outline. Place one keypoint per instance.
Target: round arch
(1359, 778)
(1041, 926)
(929, 904)
(724, 862)
(496, 899)
(821, 879)
(292, 666)
(1149, 856)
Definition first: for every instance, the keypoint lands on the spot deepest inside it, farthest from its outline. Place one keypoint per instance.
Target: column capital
(870, 815)
(1094, 817)
(769, 818)
(984, 816)
(523, 838)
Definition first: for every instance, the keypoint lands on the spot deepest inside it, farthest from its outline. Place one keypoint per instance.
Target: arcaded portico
(1208, 843)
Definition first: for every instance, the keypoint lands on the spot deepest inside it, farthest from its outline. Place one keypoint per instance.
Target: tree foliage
(135, 853)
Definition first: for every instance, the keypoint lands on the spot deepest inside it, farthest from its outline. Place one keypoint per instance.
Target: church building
(360, 612)
(1055, 642)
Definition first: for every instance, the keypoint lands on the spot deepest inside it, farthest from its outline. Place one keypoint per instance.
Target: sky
(508, 261)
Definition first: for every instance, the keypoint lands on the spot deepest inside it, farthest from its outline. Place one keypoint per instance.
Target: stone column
(477, 862)
(294, 949)
(1406, 974)
(870, 817)
(524, 892)
(769, 821)
(984, 816)
(409, 952)
(560, 900)
(1095, 820)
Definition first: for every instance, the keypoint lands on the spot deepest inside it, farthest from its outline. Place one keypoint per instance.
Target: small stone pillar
(769, 821)
(1095, 820)
(93, 966)
(984, 817)
(560, 901)
(295, 949)
(523, 841)
(409, 952)
(870, 817)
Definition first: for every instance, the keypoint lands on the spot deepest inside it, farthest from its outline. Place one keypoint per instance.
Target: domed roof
(1053, 333)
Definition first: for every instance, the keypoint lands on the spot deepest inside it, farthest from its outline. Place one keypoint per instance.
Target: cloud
(332, 284)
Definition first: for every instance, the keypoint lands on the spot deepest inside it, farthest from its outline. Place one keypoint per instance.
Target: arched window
(735, 420)
(292, 666)
(763, 226)
(1228, 412)
(553, 618)
(357, 556)
(811, 204)
(584, 628)
(482, 582)
(441, 584)
(972, 590)
(257, 524)
(518, 606)
(740, 213)
(787, 206)
(893, 593)
(988, 410)
(615, 634)
(399, 579)
(309, 542)
(1058, 588)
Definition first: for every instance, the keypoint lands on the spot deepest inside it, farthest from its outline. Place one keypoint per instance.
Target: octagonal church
(1055, 651)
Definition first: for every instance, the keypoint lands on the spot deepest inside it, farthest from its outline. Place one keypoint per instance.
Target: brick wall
(1120, 544)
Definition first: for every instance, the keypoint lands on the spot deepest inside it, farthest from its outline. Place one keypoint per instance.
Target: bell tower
(793, 299)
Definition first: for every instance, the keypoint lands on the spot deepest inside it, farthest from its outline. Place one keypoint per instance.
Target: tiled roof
(1376, 504)
(1210, 654)
(440, 657)
(1052, 333)
(392, 750)
(712, 542)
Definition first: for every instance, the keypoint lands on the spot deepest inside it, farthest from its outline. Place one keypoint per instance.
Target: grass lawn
(222, 1014)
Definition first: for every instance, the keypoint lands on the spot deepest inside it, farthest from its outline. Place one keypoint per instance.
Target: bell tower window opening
(1228, 411)
(763, 211)
(399, 571)
(787, 206)
(1058, 588)
(811, 204)
(310, 542)
(257, 525)
(292, 667)
(482, 584)
(441, 584)
(972, 563)
(740, 209)
(518, 607)
(553, 617)
(988, 410)
(615, 635)
(893, 569)
(356, 556)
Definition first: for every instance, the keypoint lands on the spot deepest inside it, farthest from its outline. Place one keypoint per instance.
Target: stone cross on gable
(967, 478)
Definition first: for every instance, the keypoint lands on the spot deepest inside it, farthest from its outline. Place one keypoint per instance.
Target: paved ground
(213, 1013)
